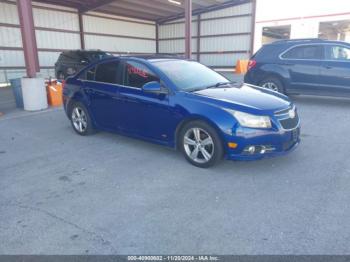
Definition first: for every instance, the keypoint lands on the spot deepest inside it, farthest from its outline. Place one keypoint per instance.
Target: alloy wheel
(79, 119)
(199, 145)
(271, 86)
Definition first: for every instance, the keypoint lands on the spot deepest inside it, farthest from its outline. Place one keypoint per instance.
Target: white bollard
(34, 94)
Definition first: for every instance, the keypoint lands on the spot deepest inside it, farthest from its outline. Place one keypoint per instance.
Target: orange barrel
(54, 93)
(242, 66)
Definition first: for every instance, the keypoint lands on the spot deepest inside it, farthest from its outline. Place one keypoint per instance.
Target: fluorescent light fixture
(174, 2)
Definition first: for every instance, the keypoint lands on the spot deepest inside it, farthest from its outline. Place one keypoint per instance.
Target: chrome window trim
(118, 85)
(311, 44)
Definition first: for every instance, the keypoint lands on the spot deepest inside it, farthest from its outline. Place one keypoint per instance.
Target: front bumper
(281, 142)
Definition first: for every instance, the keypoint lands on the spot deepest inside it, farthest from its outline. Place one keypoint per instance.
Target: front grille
(290, 123)
(283, 111)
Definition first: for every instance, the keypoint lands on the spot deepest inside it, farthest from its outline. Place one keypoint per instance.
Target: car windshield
(190, 75)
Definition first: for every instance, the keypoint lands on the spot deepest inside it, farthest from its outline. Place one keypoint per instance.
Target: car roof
(155, 57)
(305, 41)
(150, 58)
(83, 51)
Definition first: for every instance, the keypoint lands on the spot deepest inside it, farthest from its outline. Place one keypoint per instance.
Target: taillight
(251, 64)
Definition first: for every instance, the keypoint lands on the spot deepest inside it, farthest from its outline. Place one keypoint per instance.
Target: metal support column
(199, 38)
(188, 28)
(30, 49)
(81, 30)
(157, 38)
(252, 38)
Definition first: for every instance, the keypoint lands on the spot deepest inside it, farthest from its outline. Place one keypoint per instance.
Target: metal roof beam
(139, 7)
(204, 10)
(93, 6)
(128, 13)
(161, 6)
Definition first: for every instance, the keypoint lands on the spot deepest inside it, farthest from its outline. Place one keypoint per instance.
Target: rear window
(267, 52)
(305, 52)
(106, 72)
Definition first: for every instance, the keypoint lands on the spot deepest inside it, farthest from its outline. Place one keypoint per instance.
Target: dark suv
(303, 66)
(70, 62)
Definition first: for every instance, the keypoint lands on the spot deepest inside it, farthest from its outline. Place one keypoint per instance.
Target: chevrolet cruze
(184, 105)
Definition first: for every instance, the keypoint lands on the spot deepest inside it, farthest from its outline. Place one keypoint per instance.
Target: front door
(144, 114)
(336, 70)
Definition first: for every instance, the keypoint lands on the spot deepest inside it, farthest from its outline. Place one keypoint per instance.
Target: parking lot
(61, 193)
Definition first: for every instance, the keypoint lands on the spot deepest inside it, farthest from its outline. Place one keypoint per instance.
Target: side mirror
(154, 87)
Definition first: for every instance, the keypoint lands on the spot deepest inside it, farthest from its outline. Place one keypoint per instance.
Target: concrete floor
(61, 193)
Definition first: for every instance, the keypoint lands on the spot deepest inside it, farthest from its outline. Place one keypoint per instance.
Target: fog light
(232, 145)
(259, 149)
(250, 149)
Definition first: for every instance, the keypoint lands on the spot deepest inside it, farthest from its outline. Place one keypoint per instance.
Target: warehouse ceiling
(155, 10)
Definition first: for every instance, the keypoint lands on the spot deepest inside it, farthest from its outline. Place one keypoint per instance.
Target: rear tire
(273, 83)
(80, 119)
(200, 144)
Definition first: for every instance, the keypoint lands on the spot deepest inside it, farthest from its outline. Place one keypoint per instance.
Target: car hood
(246, 96)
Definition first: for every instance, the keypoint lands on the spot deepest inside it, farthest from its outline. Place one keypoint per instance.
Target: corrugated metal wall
(11, 54)
(225, 36)
(57, 29)
(119, 35)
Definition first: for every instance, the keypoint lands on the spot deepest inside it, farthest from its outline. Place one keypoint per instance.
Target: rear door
(303, 63)
(102, 88)
(336, 70)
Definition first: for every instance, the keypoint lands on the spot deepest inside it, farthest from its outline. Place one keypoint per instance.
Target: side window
(338, 53)
(306, 52)
(137, 74)
(107, 72)
(90, 73)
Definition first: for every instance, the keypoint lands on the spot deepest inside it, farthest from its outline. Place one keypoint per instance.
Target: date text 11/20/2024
(173, 258)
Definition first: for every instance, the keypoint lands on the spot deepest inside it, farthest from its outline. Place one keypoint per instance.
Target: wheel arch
(76, 98)
(192, 118)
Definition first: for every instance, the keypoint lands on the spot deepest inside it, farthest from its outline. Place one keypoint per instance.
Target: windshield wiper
(217, 85)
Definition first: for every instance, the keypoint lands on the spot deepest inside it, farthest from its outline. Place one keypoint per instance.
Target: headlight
(249, 120)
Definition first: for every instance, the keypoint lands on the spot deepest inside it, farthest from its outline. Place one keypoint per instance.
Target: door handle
(328, 67)
(127, 98)
(88, 90)
(116, 98)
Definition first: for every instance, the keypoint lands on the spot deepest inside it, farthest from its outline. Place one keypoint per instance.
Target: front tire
(80, 119)
(273, 83)
(201, 144)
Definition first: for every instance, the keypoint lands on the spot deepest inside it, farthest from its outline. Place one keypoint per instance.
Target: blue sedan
(184, 105)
